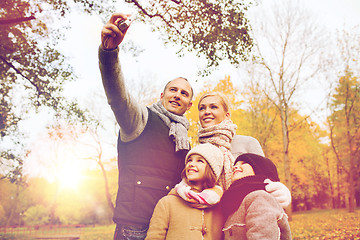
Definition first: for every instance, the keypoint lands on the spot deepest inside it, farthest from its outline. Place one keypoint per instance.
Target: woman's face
(211, 111)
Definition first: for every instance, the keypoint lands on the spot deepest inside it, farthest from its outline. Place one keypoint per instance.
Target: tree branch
(157, 15)
(16, 20)
(38, 90)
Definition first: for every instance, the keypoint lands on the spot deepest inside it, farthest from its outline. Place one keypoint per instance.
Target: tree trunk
(352, 203)
(54, 203)
(14, 207)
(333, 200)
(285, 135)
(288, 181)
(338, 170)
(107, 191)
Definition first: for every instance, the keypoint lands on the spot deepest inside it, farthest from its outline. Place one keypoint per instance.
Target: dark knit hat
(261, 165)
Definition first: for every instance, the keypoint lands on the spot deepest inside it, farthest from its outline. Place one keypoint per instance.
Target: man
(152, 143)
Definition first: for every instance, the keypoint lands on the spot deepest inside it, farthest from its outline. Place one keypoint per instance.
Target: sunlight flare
(69, 176)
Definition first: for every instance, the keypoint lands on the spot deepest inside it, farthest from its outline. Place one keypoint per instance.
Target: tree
(217, 30)
(32, 70)
(345, 109)
(29, 59)
(261, 118)
(288, 44)
(13, 200)
(98, 158)
(335, 148)
(333, 173)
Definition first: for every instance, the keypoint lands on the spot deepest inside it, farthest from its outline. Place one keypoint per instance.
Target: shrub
(36, 215)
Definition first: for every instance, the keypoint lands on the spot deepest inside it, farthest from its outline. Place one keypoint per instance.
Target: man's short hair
(192, 90)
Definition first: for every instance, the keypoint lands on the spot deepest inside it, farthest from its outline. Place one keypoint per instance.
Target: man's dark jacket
(148, 169)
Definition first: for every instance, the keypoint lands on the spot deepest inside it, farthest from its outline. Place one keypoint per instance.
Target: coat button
(167, 187)
(138, 182)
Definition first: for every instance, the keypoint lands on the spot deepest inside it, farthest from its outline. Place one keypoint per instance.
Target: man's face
(176, 97)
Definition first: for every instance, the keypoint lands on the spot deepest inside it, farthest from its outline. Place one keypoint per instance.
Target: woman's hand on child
(279, 191)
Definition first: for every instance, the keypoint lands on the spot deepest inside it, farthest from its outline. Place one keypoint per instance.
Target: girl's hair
(223, 99)
(209, 180)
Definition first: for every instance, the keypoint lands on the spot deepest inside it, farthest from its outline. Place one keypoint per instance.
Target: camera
(125, 23)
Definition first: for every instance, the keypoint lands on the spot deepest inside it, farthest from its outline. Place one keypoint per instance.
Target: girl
(187, 211)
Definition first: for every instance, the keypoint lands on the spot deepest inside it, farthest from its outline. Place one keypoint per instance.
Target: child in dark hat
(250, 211)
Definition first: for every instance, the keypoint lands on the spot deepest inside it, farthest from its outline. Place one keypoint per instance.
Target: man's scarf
(178, 126)
(221, 136)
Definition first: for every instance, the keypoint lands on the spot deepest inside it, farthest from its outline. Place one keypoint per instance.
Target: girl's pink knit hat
(212, 154)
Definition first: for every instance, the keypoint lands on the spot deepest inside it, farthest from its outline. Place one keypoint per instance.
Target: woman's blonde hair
(223, 99)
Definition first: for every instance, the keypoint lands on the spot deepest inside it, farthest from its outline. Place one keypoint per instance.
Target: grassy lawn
(98, 233)
(321, 224)
(326, 224)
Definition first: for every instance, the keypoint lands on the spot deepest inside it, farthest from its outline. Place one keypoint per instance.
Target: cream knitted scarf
(178, 126)
(221, 135)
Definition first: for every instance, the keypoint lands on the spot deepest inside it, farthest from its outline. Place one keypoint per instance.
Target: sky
(336, 13)
(158, 64)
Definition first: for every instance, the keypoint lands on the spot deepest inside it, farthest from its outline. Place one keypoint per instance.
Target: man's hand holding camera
(111, 35)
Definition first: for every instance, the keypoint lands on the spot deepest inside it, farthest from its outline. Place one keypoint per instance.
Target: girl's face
(241, 170)
(212, 112)
(195, 169)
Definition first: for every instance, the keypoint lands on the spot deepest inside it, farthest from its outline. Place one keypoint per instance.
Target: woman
(213, 109)
(218, 129)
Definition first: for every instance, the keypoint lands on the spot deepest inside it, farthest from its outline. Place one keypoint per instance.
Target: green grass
(326, 224)
(321, 224)
(98, 233)
(51, 232)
